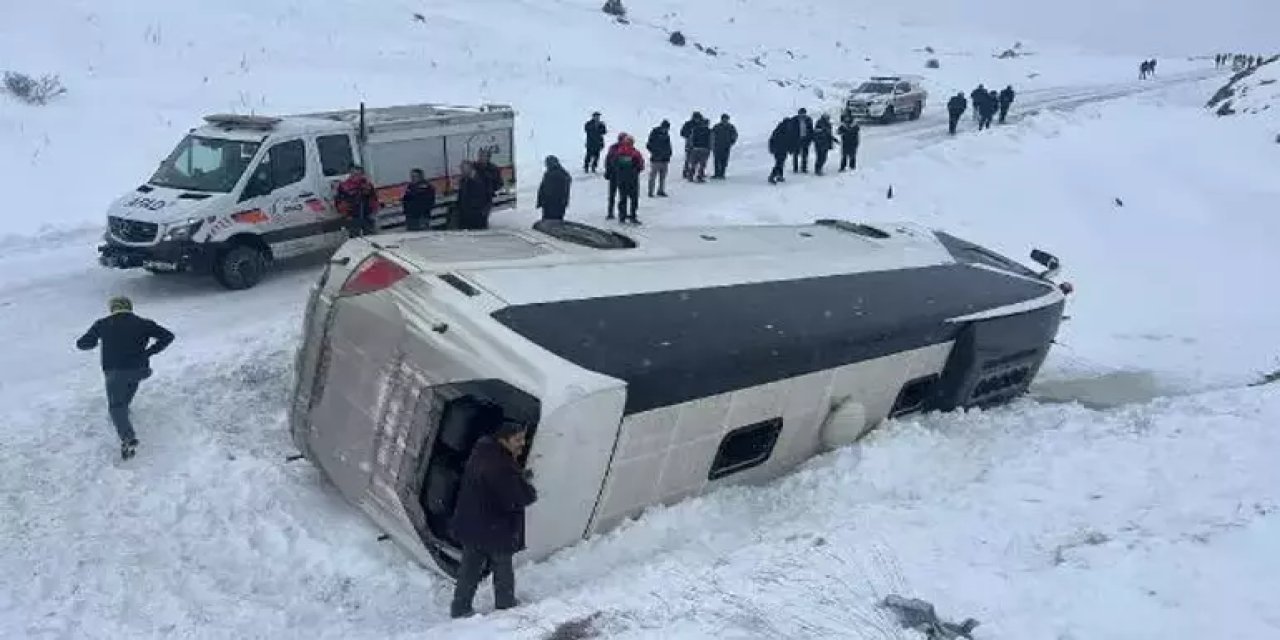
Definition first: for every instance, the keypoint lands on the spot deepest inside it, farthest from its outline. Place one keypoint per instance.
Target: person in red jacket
(358, 200)
(623, 167)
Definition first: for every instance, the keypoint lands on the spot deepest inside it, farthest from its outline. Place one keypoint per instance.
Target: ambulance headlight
(183, 230)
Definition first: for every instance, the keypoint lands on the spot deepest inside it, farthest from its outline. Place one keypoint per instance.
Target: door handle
(306, 195)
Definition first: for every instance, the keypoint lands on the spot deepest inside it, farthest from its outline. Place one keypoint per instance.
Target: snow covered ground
(1136, 499)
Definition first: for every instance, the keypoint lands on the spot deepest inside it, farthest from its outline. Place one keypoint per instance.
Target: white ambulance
(243, 191)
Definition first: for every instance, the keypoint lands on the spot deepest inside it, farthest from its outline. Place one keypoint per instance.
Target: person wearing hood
(659, 147)
(723, 136)
(823, 141)
(623, 167)
(782, 142)
(595, 131)
(553, 192)
(955, 108)
(686, 130)
(803, 126)
(977, 98)
(850, 136)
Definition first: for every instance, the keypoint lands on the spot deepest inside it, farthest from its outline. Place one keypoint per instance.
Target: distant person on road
(955, 108)
(803, 126)
(1006, 99)
(699, 149)
(782, 143)
(608, 174)
(489, 519)
(358, 200)
(553, 192)
(976, 98)
(418, 200)
(659, 147)
(471, 211)
(594, 130)
(850, 137)
(128, 342)
(723, 136)
(623, 165)
(823, 141)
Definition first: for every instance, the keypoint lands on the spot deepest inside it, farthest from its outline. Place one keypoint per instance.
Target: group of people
(988, 104)
(794, 135)
(1146, 69)
(479, 181)
(1238, 61)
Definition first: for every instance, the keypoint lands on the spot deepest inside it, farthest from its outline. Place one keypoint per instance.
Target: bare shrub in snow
(576, 629)
(31, 90)
(932, 63)
(614, 8)
(677, 39)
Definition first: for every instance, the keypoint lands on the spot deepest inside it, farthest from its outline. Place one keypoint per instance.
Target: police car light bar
(231, 120)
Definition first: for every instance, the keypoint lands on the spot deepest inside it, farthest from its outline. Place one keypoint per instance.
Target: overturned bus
(649, 367)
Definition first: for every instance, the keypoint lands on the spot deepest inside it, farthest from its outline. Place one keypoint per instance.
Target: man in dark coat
(1006, 99)
(723, 136)
(623, 165)
(553, 192)
(471, 211)
(955, 108)
(594, 130)
(782, 142)
(803, 127)
(659, 147)
(823, 141)
(489, 519)
(686, 130)
(850, 135)
(418, 200)
(489, 172)
(128, 343)
(699, 149)
(976, 98)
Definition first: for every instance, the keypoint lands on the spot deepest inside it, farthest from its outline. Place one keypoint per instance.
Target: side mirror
(1046, 260)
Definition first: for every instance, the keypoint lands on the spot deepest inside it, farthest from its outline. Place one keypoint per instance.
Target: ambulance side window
(335, 155)
(284, 164)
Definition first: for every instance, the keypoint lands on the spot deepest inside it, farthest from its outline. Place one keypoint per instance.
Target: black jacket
(418, 200)
(128, 341)
(804, 129)
(491, 500)
(784, 139)
(1006, 96)
(956, 105)
(700, 135)
(595, 131)
(474, 202)
(850, 135)
(823, 138)
(491, 175)
(553, 192)
(723, 136)
(659, 145)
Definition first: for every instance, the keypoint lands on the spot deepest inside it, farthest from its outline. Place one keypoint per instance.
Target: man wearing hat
(489, 518)
(128, 342)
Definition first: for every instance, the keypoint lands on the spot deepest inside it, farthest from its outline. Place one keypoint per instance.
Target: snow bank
(1254, 91)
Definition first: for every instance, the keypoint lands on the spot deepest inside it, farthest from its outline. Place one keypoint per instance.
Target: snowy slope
(1144, 516)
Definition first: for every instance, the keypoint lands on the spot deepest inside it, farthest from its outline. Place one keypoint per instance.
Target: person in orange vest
(358, 200)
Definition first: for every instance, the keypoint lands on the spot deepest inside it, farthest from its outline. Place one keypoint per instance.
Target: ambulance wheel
(240, 266)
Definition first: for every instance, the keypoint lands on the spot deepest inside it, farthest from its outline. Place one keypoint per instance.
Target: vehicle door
(337, 156)
(902, 102)
(273, 201)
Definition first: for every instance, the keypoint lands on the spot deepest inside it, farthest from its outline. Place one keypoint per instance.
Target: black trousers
(613, 195)
(779, 164)
(820, 159)
(849, 157)
(720, 161)
(592, 159)
(953, 119)
(474, 562)
(800, 158)
(628, 199)
(1004, 111)
(122, 385)
(553, 213)
(359, 225)
(415, 221)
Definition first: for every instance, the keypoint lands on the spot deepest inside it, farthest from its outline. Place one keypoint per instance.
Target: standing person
(489, 519)
(686, 130)
(659, 147)
(782, 142)
(723, 136)
(850, 137)
(594, 130)
(1005, 99)
(699, 149)
(489, 172)
(625, 163)
(358, 199)
(803, 125)
(128, 343)
(608, 173)
(553, 192)
(418, 200)
(955, 108)
(990, 106)
(823, 141)
(471, 211)
(1152, 66)
(976, 98)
